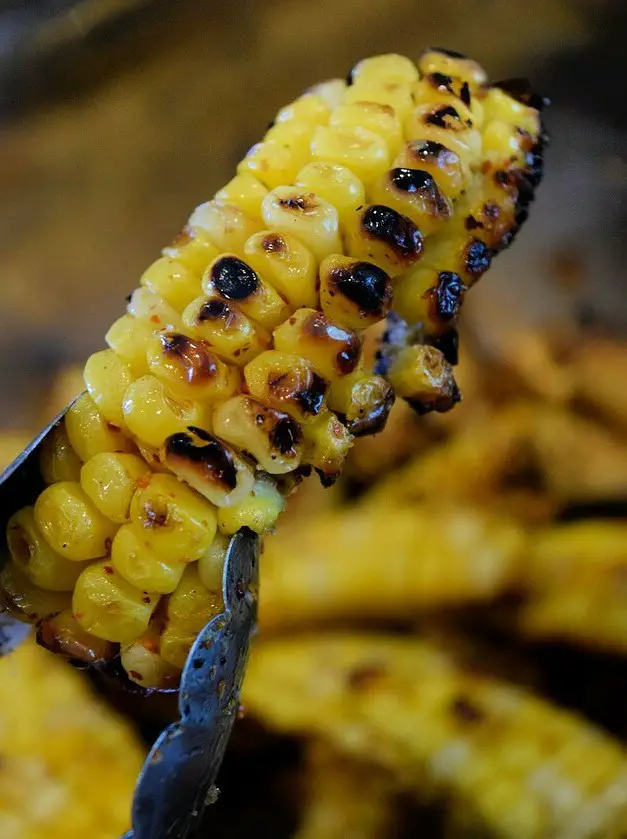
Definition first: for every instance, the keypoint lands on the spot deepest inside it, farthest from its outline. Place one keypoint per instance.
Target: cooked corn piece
(211, 563)
(330, 568)
(144, 664)
(110, 479)
(172, 281)
(33, 555)
(128, 337)
(148, 307)
(382, 235)
(107, 378)
(26, 601)
(286, 263)
(135, 555)
(354, 294)
(193, 247)
(359, 149)
(294, 212)
(272, 437)
(363, 402)
(273, 163)
(519, 765)
(326, 443)
(336, 184)
(89, 433)
(380, 119)
(225, 328)
(58, 460)
(247, 193)
(310, 108)
(231, 278)
(450, 63)
(259, 510)
(394, 95)
(331, 91)
(444, 165)
(190, 368)
(107, 606)
(287, 383)
(396, 69)
(344, 797)
(414, 194)
(422, 375)
(77, 782)
(63, 635)
(227, 225)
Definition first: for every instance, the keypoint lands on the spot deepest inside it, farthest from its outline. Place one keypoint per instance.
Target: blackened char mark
(520, 89)
(364, 284)
(213, 459)
(233, 278)
(397, 231)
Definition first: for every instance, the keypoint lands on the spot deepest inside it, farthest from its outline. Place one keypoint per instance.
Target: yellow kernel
(128, 337)
(287, 383)
(208, 465)
(226, 225)
(211, 563)
(173, 281)
(145, 666)
(285, 263)
(382, 235)
(63, 635)
(107, 377)
(501, 107)
(180, 523)
(332, 91)
(230, 278)
(435, 61)
(134, 557)
(71, 524)
(336, 184)
(364, 401)
(391, 67)
(152, 414)
(34, 556)
(148, 307)
(270, 436)
(311, 219)
(193, 248)
(429, 296)
(59, 461)
(353, 293)
(293, 135)
(310, 108)
(225, 328)
(327, 442)
(333, 350)
(273, 164)
(245, 192)
(190, 368)
(108, 607)
(443, 164)
(396, 95)
(192, 605)
(26, 601)
(110, 479)
(422, 375)
(89, 433)
(501, 144)
(416, 195)
(259, 511)
(175, 644)
(359, 149)
(375, 117)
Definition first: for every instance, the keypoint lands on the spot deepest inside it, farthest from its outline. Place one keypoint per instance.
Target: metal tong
(177, 781)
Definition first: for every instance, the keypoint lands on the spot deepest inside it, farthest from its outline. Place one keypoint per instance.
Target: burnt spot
(214, 310)
(211, 460)
(328, 478)
(307, 391)
(448, 344)
(365, 675)
(349, 344)
(466, 711)
(300, 203)
(446, 298)
(311, 399)
(476, 258)
(464, 94)
(471, 223)
(440, 81)
(449, 53)
(521, 90)
(441, 116)
(439, 403)
(421, 184)
(233, 278)
(286, 435)
(376, 416)
(364, 284)
(197, 362)
(273, 243)
(396, 231)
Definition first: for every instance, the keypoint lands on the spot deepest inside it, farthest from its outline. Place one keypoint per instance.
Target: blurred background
(119, 116)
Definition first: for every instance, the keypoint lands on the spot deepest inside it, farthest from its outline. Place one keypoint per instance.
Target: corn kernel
(59, 461)
(293, 135)
(63, 635)
(310, 108)
(110, 479)
(444, 124)
(227, 226)
(192, 605)
(392, 67)
(107, 377)
(501, 107)
(501, 144)
(354, 294)
(26, 601)
(445, 166)
(422, 375)
(179, 523)
(364, 401)
(89, 433)
(225, 328)
(128, 337)
(175, 645)
(193, 248)
(230, 278)
(333, 350)
(273, 164)
(441, 61)
(332, 92)
(311, 219)
(359, 149)
(395, 95)
(152, 414)
(34, 556)
(287, 383)
(108, 607)
(208, 465)
(286, 264)
(259, 510)
(381, 235)
(144, 664)
(148, 307)
(71, 524)
(381, 119)
(415, 194)
(437, 89)
(133, 555)
(190, 368)
(270, 436)
(245, 192)
(211, 563)
(430, 297)
(336, 184)
(172, 281)
(327, 442)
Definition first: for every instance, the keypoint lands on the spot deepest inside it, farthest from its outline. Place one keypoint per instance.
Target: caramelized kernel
(211, 459)
(348, 344)
(354, 293)
(287, 383)
(397, 231)
(193, 356)
(441, 162)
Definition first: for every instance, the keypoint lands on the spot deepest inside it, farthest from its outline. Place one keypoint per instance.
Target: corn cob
(515, 765)
(239, 363)
(434, 556)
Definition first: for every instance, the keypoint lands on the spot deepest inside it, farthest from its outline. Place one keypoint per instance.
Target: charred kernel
(234, 279)
(444, 164)
(447, 296)
(287, 382)
(411, 180)
(464, 94)
(441, 81)
(415, 194)
(424, 378)
(366, 285)
(441, 117)
(521, 90)
(448, 344)
(397, 231)
(194, 356)
(211, 456)
(476, 259)
(285, 435)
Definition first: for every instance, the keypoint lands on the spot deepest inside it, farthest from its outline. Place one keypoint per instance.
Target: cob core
(238, 366)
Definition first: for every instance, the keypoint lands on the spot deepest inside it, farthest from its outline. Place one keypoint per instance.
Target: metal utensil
(177, 781)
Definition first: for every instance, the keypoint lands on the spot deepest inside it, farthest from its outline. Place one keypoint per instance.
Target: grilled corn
(240, 357)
